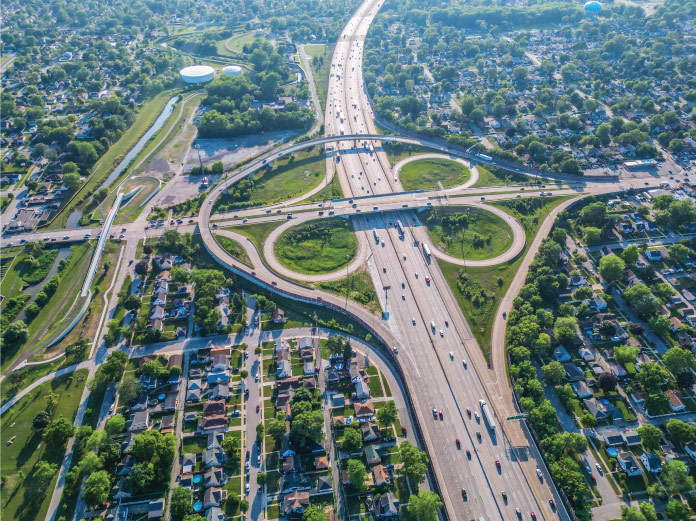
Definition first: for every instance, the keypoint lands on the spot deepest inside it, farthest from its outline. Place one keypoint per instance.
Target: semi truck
(487, 415)
(426, 250)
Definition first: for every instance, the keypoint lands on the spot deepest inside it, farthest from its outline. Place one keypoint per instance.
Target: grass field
(318, 246)
(101, 170)
(397, 151)
(485, 235)
(359, 288)
(479, 290)
(131, 209)
(236, 43)
(429, 174)
(499, 177)
(21, 498)
(321, 69)
(258, 232)
(289, 177)
(233, 248)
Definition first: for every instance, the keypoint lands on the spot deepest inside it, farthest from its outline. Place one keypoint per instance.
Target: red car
(403, 431)
(440, 414)
(594, 479)
(497, 464)
(459, 444)
(274, 283)
(533, 516)
(427, 280)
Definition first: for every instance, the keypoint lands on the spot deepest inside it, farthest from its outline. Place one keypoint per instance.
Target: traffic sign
(518, 417)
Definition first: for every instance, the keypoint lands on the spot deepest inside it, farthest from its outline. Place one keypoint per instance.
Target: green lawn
(479, 290)
(358, 286)
(397, 151)
(317, 246)
(101, 170)
(21, 498)
(477, 234)
(236, 43)
(428, 174)
(491, 176)
(290, 177)
(233, 248)
(131, 209)
(319, 55)
(258, 232)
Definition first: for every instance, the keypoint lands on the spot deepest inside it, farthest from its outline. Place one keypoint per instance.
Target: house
(587, 354)
(308, 368)
(605, 251)
(688, 296)
(141, 421)
(284, 369)
(362, 390)
(168, 424)
(628, 464)
(372, 455)
(618, 370)
(213, 423)
(338, 400)
(582, 389)
(601, 410)
(674, 324)
(324, 486)
(288, 384)
(295, 502)
(193, 395)
(219, 363)
(380, 475)
(631, 437)
(321, 463)
(653, 255)
(613, 438)
(213, 496)
(174, 360)
(675, 403)
(126, 465)
(573, 372)
(155, 509)
(213, 458)
(141, 404)
(385, 507)
(560, 354)
(171, 402)
(364, 410)
(370, 431)
(597, 303)
(294, 481)
(215, 440)
(218, 376)
(306, 347)
(188, 463)
(214, 514)
(148, 383)
(651, 461)
(690, 449)
(157, 312)
(219, 391)
(220, 351)
(278, 316)
(214, 408)
(288, 464)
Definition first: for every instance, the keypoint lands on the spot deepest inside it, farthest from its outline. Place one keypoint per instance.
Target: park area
(319, 246)
(466, 232)
(433, 173)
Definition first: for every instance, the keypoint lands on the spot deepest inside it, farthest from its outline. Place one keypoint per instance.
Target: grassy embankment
(319, 56)
(430, 174)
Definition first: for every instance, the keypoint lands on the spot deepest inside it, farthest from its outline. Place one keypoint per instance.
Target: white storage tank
(197, 74)
(232, 70)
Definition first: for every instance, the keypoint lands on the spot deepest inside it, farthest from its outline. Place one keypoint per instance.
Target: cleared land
(319, 246)
(429, 174)
(479, 290)
(467, 232)
(22, 499)
(289, 177)
(319, 55)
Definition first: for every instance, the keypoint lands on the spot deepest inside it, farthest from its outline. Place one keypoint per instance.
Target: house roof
(364, 409)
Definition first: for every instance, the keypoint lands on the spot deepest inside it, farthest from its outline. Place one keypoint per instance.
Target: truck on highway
(426, 250)
(400, 227)
(486, 157)
(487, 415)
(374, 232)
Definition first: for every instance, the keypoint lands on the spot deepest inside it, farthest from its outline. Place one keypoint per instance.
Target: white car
(247, 488)
(66, 237)
(441, 333)
(451, 355)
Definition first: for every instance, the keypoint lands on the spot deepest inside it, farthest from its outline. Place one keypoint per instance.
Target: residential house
(171, 402)
(560, 354)
(148, 383)
(294, 481)
(370, 431)
(213, 458)
(613, 438)
(651, 461)
(597, 303)
(168, 424)
(213, 423)
(324, 486)
(628, 464)
(380, 475)
(675, 403)
(213, 496)
(295, 502)
(220, 351)
(674, 324)
(219, 391)
(141, 421)
(214, 408)
(288, 464)
(306, 348)
(372, 455)
(690, 449)
(602, 411)
(215, 440)
(175, 360)
(188, 463)
(573, 372)
(321, 463)
(125, 465)
(618, 370)
(386, 507)
(278, 316)
(219, 363)
(582, 389)
(218, 377)
(587, 354)
(155, 509)
(214, 514)
(338, 400)
(364, 410)
(631, 437)
(283, 369)
(362, 390)
(308, 368)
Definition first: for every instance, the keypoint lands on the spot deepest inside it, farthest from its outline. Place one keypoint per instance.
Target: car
(413, 320)
(257, 409)
(459, 443)
(88, 235)
(66, 237)
(468, 412)
(497, 464)
(594, 479)
(451, 355)
(247, 488)
(403, 431)
(416, 274)
(384, 269)
(396, 350)
(403, 297)
(274, 283)
(46, 239)
(190, 221)
(504, 496)
(465, 367)
(476, 415)
(533, 515)
(468, 454)
(483, 198)
(403, 285)
(122, 236)
(9, 244)
(245, 220)
(464, 494)
(427, 279)
(434, 413)
(519, 514)
(552, 504)
(404, 256)
(539, 474)
(518, 195)
(478, 435)
(504, 315)
(256, 377)
(258, 460)
(248, 467)
(440, 415)
(599, 468)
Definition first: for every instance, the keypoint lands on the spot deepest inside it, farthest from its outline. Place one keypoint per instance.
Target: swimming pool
(612, 452)
(197, 478)
(198, 506)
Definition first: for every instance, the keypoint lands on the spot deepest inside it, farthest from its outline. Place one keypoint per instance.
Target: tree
(553, 373)
(307, 427)
(357, 474)
(155, 446)
(314, 513)
(675, 509)
(651, 436)
(608, 382)
(262, 478)
(115, 424)
(96, 488)
(675, 477)
(677, 360)
(181, 503)
(564, 329)
(648, 511)
(611, 268)
(425, 505)
(260, 429)
(685, 379)
(132, 303)
(276, 429)
(415, 462)
(606, 328)
(387, 414)
(72, 181)
(660, 325)
(58, 432)
(652, 376)
(625, 354)
(194, 517)
(631, 514)
(680, 432)
(244, 505)
(113, 367)
(352, 440)
(129, 389)
(141, 476)
(43, 473)
(678, 253)
(641, 299)
(656, 402)
(41, 420)
(16, 333)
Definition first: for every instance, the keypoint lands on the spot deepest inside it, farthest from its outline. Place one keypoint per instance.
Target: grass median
(433, 173)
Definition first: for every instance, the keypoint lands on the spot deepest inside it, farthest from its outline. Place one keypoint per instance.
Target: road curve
(518, 242)
(396, 169)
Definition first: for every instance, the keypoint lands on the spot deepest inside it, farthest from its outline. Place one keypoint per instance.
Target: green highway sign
(518, 417)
